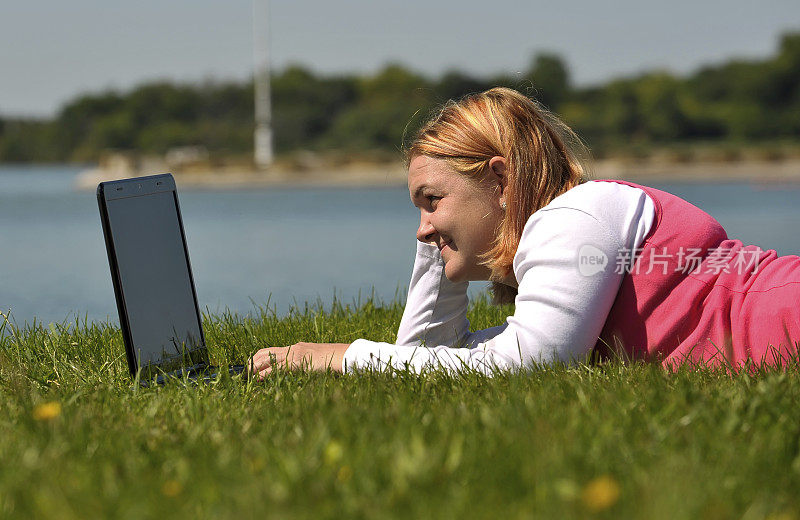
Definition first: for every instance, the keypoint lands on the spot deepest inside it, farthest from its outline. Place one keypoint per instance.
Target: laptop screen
(155, 280)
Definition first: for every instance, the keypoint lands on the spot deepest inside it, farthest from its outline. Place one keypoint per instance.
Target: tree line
(737, 101)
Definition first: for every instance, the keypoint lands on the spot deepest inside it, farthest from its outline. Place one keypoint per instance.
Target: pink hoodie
(694, 295)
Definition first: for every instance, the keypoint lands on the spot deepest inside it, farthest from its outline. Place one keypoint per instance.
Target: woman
(603, 267)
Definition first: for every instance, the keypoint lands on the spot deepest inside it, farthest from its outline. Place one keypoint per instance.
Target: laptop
(156, 298)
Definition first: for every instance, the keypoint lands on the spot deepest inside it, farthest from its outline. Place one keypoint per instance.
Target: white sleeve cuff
(366, 354)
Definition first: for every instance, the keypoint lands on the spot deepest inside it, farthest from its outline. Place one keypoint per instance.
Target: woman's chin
(453, 274)
(458, 273)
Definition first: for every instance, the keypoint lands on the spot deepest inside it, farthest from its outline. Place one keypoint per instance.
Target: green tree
(390, 105)
(659, 110)
(305, 106)
(549, 79)
(618, 111)
(454, 84)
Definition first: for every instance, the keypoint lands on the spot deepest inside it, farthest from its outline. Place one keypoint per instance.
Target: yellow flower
(333, 452)
(171, 488)
(601, 493)
(47, 411)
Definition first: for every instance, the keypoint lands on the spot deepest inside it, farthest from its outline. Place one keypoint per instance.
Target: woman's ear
(497, 171)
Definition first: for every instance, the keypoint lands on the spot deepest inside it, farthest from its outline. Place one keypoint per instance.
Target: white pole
(263, 111)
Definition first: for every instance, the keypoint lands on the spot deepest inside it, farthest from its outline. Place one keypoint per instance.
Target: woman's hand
(313, 356)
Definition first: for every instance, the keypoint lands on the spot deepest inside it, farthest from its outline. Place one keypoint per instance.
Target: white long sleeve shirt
(566, 268)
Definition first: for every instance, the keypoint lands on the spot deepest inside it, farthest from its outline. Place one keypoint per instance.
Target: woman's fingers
(266, 358)
(307, 356)
(264, 373)
(263, 362)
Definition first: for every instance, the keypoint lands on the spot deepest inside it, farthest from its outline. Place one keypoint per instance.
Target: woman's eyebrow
(419, 190)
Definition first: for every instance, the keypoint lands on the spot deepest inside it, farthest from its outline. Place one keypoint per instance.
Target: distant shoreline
(388, 174)
(752, 170)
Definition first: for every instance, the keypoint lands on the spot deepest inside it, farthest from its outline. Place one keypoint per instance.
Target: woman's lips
(443, 245)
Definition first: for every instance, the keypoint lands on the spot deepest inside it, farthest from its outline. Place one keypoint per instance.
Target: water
(286, 245)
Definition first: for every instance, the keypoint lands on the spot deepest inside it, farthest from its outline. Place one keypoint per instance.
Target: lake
(285, 246)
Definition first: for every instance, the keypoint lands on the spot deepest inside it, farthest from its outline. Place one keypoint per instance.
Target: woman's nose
(425, 231)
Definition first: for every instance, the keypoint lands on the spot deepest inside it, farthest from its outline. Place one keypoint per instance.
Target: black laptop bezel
(137, 187)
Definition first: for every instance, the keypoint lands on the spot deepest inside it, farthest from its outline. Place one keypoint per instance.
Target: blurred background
(700, 99)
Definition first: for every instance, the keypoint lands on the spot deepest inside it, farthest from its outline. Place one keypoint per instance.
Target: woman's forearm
(436, 308)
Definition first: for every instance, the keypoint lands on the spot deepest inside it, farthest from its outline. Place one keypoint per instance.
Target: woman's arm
(435, 314)
(436, 308)
(560, 308)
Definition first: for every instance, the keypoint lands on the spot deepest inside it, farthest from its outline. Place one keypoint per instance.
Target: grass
(77, 440)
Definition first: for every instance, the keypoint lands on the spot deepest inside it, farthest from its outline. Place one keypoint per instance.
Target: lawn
(78, 440)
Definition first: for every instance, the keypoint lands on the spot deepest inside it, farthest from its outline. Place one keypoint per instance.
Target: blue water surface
(285, 246)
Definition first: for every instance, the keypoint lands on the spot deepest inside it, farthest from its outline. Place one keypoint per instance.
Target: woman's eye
(433, 199)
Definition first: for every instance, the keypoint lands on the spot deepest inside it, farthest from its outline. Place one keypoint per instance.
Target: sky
(52, 50)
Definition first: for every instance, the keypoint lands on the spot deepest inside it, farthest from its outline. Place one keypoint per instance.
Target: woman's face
(458, 215)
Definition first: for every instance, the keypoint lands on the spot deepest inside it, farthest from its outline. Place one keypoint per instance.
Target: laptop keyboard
(198, 372)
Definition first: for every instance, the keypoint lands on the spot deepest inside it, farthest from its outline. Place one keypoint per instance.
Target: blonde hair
(544, 158)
